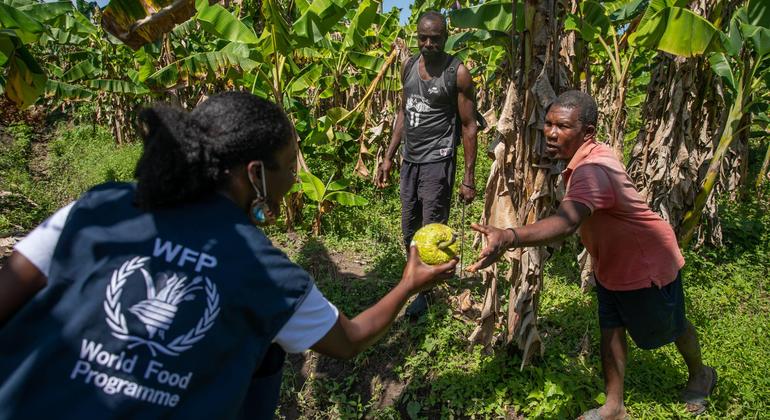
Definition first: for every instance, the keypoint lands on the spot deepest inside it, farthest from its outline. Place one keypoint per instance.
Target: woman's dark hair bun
(186, 154)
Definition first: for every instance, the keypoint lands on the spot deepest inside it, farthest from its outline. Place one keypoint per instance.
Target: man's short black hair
(434, 16)
(583, 102)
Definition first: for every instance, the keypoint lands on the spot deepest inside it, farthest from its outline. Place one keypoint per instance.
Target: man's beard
(431, 54)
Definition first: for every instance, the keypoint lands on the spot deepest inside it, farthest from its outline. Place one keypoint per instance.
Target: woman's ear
(254, 172)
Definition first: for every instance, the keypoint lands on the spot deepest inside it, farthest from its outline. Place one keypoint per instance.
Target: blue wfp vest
(148, 314)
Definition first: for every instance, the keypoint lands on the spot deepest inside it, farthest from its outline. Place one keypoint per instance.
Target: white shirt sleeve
(314, 317)
(39, 245)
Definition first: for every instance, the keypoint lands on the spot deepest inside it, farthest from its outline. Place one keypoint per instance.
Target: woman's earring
(259, 211)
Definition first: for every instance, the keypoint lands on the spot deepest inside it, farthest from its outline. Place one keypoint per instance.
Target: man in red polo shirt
(635, 255)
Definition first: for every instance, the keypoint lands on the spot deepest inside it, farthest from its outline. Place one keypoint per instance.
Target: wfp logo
(158, 311)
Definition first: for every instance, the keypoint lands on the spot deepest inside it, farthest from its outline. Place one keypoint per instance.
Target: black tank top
(430, 116)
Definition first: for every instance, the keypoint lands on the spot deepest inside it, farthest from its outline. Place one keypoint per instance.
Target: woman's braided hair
(186, 155)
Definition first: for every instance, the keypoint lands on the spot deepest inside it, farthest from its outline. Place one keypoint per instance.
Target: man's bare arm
(565, 222)
(467, 110)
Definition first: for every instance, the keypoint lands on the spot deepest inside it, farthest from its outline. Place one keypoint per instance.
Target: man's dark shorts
(653, 316)
(426, 195)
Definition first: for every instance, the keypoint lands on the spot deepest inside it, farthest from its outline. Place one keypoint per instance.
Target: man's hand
(467, 194)
(383, 173)
(498, 241)
(421, 276)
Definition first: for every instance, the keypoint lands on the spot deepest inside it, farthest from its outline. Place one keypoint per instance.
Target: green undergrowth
(40, 173)
(23, 203)
(89, 156)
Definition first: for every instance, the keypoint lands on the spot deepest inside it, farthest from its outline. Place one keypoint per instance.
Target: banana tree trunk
(612, 114)
(669, 159)
(684, 107)
(693, 217)
(521, 187)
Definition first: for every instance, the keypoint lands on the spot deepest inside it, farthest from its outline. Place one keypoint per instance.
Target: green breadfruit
(436, 243)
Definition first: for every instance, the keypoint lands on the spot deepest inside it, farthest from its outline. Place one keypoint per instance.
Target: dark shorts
(653, 316)
(426, 195)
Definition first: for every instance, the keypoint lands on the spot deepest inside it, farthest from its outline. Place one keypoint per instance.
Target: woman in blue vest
(161, 298)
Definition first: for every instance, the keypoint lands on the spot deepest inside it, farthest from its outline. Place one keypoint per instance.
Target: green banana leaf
(622, 11)
(313, 187)
(27, 29)
(678, 31)
(53, 69)
(318, 20)
(203, 65)
(216, 20)
(368, 61)
(720, 64)
(759, 38)
(338, 185)
(117, 86)
(276, 32)
(732, 41)
(759, 13)
(363, 19)
(24, 80)
(48, 12)
(490, 16)
(307, 79)
(146, 63)
(82, 70)
(61, 90)
(593, 23)
(459, 40)
(347, 198)
(18, 3)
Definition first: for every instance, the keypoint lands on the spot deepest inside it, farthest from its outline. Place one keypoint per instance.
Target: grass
(424, 368)
(23, 203)
(39, 176)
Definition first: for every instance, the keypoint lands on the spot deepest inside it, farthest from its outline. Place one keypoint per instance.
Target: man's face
(430, 38)
(565, 133)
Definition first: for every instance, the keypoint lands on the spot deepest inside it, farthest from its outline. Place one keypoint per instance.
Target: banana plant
(326, 195)
(22, 78)
(744, 67)
(738, 56)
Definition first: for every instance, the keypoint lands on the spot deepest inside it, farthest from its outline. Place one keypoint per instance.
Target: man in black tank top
(435, 113)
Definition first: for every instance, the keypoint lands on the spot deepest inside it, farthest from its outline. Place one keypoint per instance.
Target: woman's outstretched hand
(422, 276)
(497, 243)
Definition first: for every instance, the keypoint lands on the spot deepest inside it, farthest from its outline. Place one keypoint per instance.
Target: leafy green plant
(326, 195)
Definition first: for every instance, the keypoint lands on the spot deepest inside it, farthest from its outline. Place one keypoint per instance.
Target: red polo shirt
(630, 245)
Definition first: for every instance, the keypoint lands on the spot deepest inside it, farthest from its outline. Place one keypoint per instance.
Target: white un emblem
(158, 311)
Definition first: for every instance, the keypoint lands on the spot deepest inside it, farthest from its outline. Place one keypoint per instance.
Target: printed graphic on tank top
(430, 118)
